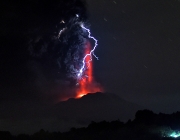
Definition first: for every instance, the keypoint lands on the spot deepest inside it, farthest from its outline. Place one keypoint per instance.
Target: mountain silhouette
(96, 107)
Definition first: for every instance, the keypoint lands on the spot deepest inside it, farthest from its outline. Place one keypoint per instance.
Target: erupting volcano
(87, 84)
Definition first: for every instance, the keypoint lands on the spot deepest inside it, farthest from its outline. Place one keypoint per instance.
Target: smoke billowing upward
(54, 41)
(59, 38)
(49, 39)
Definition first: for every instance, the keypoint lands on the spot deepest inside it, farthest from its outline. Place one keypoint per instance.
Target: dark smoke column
(57, 40)
(63, 40)
(72, 39)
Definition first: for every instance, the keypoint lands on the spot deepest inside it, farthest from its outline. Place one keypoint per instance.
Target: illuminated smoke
(59, 43)
(57, 36)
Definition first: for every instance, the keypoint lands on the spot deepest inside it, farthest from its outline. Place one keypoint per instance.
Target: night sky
(139, 47)
(139, 50)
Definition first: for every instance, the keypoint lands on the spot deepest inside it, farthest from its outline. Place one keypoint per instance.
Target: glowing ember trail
(87, 84)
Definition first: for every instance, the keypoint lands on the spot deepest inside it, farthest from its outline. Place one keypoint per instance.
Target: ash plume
(50, 41)
(57, 36)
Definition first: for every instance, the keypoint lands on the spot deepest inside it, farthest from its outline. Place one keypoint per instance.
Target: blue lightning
(91, 52)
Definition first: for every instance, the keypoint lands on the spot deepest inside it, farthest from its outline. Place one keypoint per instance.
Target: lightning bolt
(80, 73)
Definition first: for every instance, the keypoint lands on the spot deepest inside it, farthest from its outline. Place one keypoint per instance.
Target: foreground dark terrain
(146, 126)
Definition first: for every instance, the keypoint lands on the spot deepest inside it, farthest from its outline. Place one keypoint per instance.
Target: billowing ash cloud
(43, 45)
(55, 36)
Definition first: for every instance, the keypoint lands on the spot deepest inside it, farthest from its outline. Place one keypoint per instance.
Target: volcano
(96, 107)
(67, 114)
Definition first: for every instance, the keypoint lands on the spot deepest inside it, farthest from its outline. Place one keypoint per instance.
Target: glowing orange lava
(87, 84)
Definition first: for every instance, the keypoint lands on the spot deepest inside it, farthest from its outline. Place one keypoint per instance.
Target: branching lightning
(80, 73)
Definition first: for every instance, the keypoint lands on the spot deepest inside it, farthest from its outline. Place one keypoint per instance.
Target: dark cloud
(36, 57)
(61, 42)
